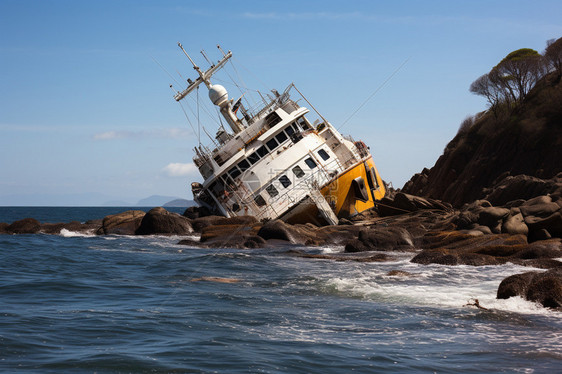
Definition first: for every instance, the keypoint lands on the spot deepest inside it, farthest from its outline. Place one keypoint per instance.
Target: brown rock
(160, 221)
(544, 288)
(515, 224)
(24, 226)
(125, 223)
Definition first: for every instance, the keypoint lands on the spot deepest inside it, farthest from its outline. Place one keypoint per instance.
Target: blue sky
(87, 114)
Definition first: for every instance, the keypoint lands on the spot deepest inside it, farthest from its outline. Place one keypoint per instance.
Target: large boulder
(544, 288)
(200, 223)
(194, 212)
(24, 226)
(160, 221)
(517, 187)
(404, 203)
(125, 223)
(279, 230)
(381, 239)
(515, 225)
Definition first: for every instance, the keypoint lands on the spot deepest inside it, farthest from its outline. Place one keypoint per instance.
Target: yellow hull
(342, 196)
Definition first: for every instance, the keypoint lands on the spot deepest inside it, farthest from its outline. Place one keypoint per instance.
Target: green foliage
(521, 54)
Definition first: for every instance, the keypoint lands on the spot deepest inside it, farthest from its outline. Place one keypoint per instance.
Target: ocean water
(74, 303)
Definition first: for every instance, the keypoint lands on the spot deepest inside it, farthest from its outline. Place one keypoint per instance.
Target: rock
(514, 285)
(539, 210)
(254, 241)
(160, 221)
(278, 229)
(404, 203)
(456, 248)
(492, 216)
(199, 223)
(3, 226)
(552, 224)
(231, 236)
(381, 239)
(519, 187)
(24, 226)
(194, 212)
(515, 224)
(355, 245)
(544, 288)
(74, 226)
(126, 223)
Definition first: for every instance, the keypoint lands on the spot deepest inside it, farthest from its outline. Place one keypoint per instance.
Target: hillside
(524, 140)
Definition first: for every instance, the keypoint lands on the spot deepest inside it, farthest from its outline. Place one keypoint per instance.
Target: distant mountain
(156, 200)
(179, 203)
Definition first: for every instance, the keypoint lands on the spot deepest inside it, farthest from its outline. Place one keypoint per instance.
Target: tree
(511, 80)
(519, 71)
(553, 55)
(488, 87)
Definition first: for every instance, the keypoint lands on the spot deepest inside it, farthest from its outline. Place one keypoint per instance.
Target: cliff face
(525, 140)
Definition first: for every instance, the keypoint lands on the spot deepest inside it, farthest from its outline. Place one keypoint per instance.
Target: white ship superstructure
(275, 163)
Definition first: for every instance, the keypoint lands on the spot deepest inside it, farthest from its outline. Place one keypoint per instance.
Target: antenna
(203, 76)
(206, 58)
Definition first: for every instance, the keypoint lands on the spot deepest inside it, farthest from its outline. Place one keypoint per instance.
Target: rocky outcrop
(126, 223)
(402, 203)
(158, 221)
(200, 223)
(194, 212)
(544, 288)
(24, 226)
(526, 141)
(381, 239)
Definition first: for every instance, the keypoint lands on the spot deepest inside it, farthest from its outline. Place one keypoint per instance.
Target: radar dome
(218, 95)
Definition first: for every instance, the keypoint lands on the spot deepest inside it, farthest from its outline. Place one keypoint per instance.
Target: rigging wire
(374, 93)
(166, 71)
(198, 120)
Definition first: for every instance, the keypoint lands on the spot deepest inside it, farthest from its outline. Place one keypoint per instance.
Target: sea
(81, 303)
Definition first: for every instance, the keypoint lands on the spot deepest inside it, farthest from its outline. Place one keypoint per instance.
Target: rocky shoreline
(502, 228)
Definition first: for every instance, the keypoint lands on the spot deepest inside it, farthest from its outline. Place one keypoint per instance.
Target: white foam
(70, 234)
(433, 285)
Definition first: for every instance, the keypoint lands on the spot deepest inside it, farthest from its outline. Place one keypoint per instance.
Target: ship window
(272, 191)
(302, 122)
(234, 172)
(259, 200)
(272, 119)
(243, 165)
(298, 171)
(262, 151)
(284, 180)
(290, 131)
(253, 158)
(271, 144)
(235, 207)
(310, 162)
(281, 137)
(323, 154)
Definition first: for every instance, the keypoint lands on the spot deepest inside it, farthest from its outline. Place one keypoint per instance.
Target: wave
(439, 286)
(71, 234)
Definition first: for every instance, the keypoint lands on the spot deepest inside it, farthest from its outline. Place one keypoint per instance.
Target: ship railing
(274, 103)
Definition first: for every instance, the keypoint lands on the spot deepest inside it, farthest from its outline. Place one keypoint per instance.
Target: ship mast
(217, 93)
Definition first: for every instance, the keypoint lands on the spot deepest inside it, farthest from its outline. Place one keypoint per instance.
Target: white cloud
(176, 169)
(111, 135)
